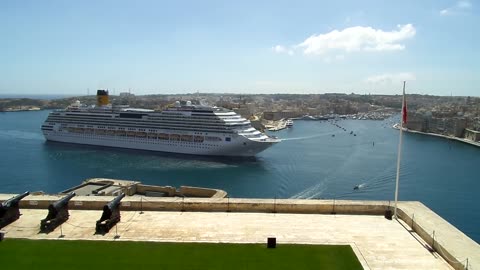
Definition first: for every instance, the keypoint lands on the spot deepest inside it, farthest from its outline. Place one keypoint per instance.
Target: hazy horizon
(47, 95)
(245, 47)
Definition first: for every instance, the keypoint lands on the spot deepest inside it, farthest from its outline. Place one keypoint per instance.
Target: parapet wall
(460, 251)
(136, 203)
(142, 189)
(453, 245)
(188, 191)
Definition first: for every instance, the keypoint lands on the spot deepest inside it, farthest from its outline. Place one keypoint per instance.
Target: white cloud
(282, 49)
(464, 4)
(459, 7)
(389, 78)
(336, 58)
(358, 38)
(279, 49)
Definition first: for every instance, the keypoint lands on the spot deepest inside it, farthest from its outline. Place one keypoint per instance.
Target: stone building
(473, 135)
(280, 115)
(447, 126)
(417, 121)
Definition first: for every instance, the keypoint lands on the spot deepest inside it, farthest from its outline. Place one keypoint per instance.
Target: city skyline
(56, 47)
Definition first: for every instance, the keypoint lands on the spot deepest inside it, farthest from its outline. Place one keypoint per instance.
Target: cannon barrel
(63, 201)
(9, 209)
(14, 200)
(57, 214)
(115, 202)
(110, 215)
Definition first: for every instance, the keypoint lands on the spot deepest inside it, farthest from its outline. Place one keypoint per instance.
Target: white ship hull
(238, 146)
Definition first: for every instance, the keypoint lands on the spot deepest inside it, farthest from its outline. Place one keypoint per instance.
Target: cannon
(9, 210)
(57, 214)
(110, 215)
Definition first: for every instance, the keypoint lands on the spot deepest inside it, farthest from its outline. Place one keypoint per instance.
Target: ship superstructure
(186, 129)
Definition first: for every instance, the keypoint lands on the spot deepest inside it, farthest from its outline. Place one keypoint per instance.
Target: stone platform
(411, 242)
(378, 243)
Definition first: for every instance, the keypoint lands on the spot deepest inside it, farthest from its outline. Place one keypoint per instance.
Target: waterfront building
(473, 135)
(277, 115)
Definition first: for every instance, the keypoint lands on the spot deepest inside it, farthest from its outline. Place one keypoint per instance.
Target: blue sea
(309, 163)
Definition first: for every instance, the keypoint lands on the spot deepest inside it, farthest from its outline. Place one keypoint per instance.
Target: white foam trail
(361, 185)
(311, 192)
(24, 135)
(308, 137)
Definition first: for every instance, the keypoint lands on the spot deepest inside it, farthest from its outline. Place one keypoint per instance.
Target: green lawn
(67, 255)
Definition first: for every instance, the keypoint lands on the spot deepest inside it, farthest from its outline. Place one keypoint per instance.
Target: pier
(276, 125)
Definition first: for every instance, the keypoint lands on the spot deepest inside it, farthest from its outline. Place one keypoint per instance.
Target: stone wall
(472, 135)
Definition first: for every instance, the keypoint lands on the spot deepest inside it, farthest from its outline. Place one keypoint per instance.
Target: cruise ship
(181, 128)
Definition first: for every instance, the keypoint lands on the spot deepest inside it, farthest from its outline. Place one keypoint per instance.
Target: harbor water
(315, 160)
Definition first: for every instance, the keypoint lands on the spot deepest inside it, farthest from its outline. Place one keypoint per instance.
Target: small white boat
(289, 123)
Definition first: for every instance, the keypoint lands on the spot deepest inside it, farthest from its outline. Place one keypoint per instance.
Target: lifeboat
(198, 139)
(163, 136)
(174, 137)
(213, 139)
(187, 138)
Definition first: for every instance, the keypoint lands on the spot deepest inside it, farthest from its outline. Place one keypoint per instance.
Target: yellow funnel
(102, 98)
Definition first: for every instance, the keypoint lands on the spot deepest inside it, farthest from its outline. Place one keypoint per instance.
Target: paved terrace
(379, 243)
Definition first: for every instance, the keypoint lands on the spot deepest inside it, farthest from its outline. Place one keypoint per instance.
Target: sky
(165, 47)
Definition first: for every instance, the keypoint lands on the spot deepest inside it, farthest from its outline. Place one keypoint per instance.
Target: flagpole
(399, 157)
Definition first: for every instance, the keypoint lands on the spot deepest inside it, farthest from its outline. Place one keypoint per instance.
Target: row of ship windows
(160, 117)
(218, 123)
(143, 135)
(124, 127)
(182, 112)
(106, 129)
(184, 118)
(137, 140)
(139, 124)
